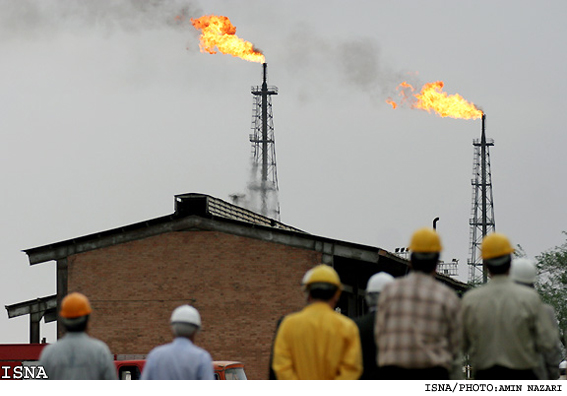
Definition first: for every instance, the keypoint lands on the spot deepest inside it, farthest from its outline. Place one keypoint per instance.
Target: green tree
(552, 282)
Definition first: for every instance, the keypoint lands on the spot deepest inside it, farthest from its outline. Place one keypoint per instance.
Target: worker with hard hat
(418, 319)
(505, 325)
(318, 343)
(77, 356)
(524, 272)
(366, 323)
(180, 359)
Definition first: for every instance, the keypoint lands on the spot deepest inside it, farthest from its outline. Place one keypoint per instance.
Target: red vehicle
(227, 370)
(129, 369)
(19, 361)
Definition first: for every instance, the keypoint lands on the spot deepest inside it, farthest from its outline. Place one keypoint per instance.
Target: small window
(129, 373)
(235, 374)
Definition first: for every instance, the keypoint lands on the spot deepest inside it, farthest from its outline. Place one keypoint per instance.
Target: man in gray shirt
(505, 326)
(77, 356)
(524, 272)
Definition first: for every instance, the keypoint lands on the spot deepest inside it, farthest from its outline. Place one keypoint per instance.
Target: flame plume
(217, 31)
(432, 99)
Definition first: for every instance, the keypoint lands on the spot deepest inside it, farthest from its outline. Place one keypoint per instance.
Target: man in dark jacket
(366, 324)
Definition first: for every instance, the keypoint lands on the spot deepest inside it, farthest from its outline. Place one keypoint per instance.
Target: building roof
(195, 211)
(42, 307)
(192, 212)
(200, 204)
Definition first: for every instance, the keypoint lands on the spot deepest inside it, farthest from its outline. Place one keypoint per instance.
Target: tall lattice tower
(263, 186)
(482, 217)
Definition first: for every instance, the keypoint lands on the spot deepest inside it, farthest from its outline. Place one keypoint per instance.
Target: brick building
(241, 270)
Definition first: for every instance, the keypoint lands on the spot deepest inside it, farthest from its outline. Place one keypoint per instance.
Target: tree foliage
(552, 282)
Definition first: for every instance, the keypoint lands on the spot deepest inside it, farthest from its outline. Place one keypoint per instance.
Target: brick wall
(241, 287)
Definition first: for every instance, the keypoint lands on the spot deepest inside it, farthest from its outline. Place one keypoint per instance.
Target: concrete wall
(241, 287)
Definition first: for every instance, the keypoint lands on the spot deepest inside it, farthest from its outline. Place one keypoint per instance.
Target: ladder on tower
(482, 211)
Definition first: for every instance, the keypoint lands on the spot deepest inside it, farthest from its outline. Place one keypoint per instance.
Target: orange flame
(217, 31)
(432, 98)
(391, 102)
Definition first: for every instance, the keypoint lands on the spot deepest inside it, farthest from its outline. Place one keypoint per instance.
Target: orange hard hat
(75, 305)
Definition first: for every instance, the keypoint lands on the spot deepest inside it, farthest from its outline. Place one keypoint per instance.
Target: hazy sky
(108, 109)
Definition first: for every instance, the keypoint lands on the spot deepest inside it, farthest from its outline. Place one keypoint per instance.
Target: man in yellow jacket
(318, 343)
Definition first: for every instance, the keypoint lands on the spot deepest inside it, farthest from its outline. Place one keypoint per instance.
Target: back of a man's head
(498, 265)
(322, 291)
(523, 271)
(75, 311)
(322, 283)
(424, 262)
(75, 325)
(374, 287)
(496, 251)
(186, 330)
(185, 321)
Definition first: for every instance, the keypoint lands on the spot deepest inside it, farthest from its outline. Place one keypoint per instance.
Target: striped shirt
(418, 324)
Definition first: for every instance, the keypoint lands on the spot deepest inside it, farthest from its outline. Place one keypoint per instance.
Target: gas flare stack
(482, 217)
(264, 184)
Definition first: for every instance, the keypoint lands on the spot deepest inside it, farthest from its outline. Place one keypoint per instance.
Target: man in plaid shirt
(418, 326)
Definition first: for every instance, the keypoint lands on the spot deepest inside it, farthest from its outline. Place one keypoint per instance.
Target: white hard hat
(186, 314)
(377, 282)
(523, 271)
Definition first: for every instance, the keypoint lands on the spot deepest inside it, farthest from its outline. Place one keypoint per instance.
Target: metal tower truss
(263, 186)
(482, 216)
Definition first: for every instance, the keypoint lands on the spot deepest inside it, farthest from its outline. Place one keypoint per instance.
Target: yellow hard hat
(495, 245)
(321, 274)
(75, 305)
(425, 240)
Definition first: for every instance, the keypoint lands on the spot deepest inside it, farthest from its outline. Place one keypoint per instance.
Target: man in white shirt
(180, 359)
